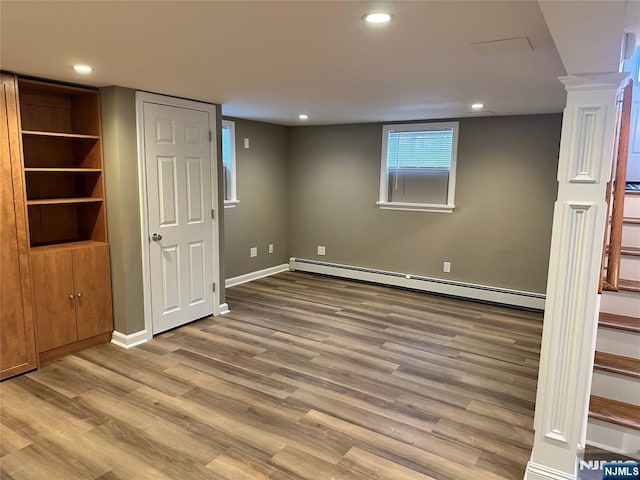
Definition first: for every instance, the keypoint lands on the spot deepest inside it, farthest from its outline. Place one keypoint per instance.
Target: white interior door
(179, 206)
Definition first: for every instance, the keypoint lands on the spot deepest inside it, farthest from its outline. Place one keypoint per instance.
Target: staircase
(614, 410)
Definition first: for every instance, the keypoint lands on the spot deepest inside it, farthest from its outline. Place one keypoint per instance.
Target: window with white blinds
(419, 149)
(418, 166)
(229, 163)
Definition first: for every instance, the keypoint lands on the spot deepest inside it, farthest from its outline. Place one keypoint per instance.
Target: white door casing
(177, 167)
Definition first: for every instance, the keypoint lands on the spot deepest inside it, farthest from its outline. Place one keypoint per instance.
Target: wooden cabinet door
(54, 298)
(93, 290)
(17, 341)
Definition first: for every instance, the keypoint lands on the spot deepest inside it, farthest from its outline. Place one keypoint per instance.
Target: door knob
(156, 237)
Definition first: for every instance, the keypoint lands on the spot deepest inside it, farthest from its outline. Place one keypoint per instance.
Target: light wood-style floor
(308, 377)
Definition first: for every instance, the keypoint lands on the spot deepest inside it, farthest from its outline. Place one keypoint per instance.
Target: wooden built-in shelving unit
(64, 190)
(62, 154)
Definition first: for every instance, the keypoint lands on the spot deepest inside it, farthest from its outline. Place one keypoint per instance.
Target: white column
(570, 319)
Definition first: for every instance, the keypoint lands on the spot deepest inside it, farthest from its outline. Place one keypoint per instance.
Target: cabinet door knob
(78, 295)
(156, 237)
(71, 296)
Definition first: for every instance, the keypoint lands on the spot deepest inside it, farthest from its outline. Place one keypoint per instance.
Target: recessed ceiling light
(377, 17)
(83, 68)
(477, 106)
(303, 116)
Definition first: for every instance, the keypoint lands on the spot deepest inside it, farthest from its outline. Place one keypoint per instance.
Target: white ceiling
(589, 37)
(270, 61)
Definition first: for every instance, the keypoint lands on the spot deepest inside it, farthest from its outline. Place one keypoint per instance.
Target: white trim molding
(471, 291)
(248, 277)
(224, 308)
(231, 203)
(573, 303)
(131, 340)
(416, 207)
(536, 471)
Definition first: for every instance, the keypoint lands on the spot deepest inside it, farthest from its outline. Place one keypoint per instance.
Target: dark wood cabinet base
(55, 353)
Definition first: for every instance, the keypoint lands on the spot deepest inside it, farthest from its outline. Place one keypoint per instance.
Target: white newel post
(570, 318)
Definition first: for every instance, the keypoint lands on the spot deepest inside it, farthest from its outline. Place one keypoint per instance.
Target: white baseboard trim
(535, 471)
(224, 309)
(248, 277)
(127, 341)
(472, 291)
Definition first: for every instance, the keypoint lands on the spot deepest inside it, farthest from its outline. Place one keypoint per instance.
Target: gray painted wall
(300, 187)
(261, 216)
(123, 210)
(499, 233)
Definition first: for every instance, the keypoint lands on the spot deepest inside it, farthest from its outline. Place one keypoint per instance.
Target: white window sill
(231, 203)
(416, 207)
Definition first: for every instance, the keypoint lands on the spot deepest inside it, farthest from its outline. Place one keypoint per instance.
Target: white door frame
(141, 99)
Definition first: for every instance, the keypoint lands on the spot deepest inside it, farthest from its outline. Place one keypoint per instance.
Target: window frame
(383, 201)
(231, 125)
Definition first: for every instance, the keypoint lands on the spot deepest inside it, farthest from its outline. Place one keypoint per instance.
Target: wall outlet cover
(321, 250)
(253, 252)
(446, 267)
(271, 248)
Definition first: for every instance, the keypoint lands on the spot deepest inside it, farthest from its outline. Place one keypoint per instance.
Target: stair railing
(615, 201)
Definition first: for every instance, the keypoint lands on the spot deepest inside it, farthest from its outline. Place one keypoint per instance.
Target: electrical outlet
(253, 252)
(271, 248)
(321, 250)
(446, 267)
(246, 143)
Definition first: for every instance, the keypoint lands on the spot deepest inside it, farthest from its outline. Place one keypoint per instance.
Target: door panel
(167, 191)
(170, 278)
(195, 201)
(197, 286)
(17, 342)
(52, 275)
(179, 199)
(92, 281)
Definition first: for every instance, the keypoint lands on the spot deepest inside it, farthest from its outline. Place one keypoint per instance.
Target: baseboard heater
(483, 293)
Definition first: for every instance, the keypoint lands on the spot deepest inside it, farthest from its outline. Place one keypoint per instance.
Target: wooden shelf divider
(61, 201)
(59, 134)
(63, 170)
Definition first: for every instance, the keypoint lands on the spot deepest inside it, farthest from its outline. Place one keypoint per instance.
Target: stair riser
(632, 206)
(616, 387)
(630, 268)
(631, 235)
(621, 303)
(613, 438)
(618, 342)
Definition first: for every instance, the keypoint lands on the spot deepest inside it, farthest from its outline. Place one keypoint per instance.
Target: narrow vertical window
(229, 163)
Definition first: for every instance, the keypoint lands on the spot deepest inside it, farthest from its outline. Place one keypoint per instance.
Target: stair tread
(614, 411)
(619, 322)
(608, 362)
(629, 285)
(631, 220)
(635, 251)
